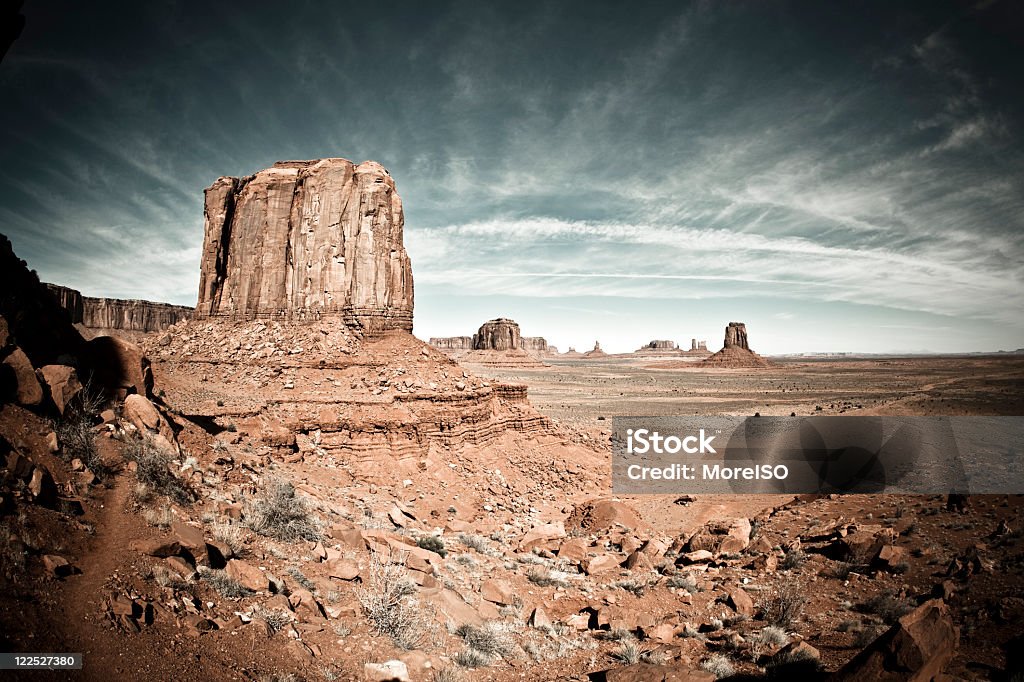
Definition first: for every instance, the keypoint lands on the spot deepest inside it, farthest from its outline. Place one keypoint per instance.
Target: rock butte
(497, 343)
(736, 352)
(307, 239)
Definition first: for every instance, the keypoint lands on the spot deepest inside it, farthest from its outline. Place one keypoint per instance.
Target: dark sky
(840, 176)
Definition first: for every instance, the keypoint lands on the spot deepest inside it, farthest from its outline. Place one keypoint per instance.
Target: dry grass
(278, 512)
(783, 606)
(387, 601)
(225, 585)
(154, 470)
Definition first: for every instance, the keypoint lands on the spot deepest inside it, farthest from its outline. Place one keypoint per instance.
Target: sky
(838, 176)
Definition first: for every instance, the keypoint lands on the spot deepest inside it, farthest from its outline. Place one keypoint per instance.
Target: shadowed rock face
(736, 336)
(307, 239)
(70, 300)
(499, 334)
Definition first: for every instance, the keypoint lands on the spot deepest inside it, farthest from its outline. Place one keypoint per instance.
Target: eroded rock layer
(131, 315)
(452, 342)
(306, 239)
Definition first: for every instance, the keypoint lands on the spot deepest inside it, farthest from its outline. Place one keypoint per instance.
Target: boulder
(916, 648)
(542, 535)
(574, 550)
(247, 575)
(62, 384)
(600, 563)
(498, 592)
(342, 569)
(120, 368)
(21, 381)
(57, 565)
(741, 602)
(330, 244)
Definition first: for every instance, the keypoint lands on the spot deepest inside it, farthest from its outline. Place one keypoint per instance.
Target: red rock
(335, 270)
(600, 563)
(889, 557)
(182, 567)
(497, 592)
(342, 569)
(573, 549)
(130, 314)
(539, 618)
(916, 648)
(740, 601)
(160, 547)
(542, 535)
(247, 575)
(27, 390)
(120, 366)
(57, 565)
(62, 384)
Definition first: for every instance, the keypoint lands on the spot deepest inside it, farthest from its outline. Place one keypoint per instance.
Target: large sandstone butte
(499, 334)
(307, 239)
(736, 336)
(736, 352)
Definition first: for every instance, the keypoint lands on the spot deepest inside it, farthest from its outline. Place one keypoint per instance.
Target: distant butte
(736, 352)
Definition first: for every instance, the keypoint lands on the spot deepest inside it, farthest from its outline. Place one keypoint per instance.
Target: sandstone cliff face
(306, 239)
(116, 313)
(499, 334)
(452, 342)
(736, 336)
(537, 345)
(661, 344)
(70, 300)
(132, 315)
(696, 345)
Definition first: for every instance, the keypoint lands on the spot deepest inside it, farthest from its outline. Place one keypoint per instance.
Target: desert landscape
(324, 328)
(286, 484)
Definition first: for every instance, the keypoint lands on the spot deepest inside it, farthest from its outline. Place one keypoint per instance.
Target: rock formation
(70, 300)
(736, 352)
(36, 321)
(132, 315)
(535, 345)
(110, 314)
(736, 335)
(499, 334)
(307, 239)
(699, 346)
(660, 344)
(596, 353)
(452, 342)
